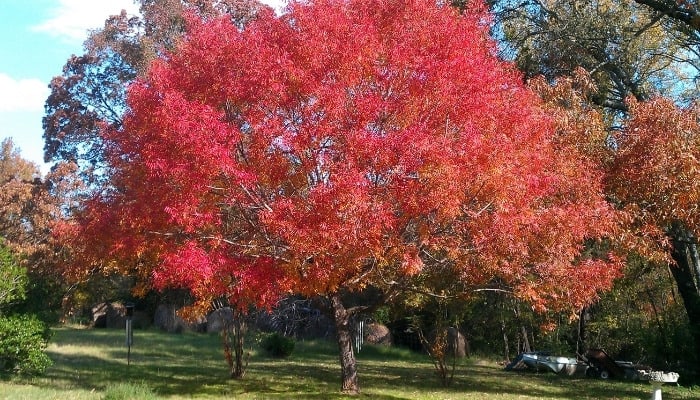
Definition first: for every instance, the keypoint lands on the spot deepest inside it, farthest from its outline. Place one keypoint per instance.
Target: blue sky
(38, 36)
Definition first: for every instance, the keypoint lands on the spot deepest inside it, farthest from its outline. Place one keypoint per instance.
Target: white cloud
(22, 94)
(71, 19)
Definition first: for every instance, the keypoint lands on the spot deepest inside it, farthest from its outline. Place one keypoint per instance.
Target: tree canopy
(340, 146)
(29, 205)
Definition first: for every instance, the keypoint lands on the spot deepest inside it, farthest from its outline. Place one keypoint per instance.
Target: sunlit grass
(90, 363)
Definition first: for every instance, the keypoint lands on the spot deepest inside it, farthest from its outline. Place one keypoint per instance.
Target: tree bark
(683, 275)
(582, 339)
(348, 367)
(526, 340)
(232, 335)
(506, 351)
(695, 257)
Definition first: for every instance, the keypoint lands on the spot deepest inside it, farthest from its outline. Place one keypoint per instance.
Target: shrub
(23, 339)
(277, 345)
(382, 315)
(13, 279)
(129, 391)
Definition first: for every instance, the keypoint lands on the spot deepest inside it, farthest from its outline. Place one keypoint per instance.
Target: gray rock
(377, 334)
(457, 343)
(217, 318)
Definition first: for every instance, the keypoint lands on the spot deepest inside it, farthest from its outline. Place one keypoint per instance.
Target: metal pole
(129, 340)
(129, 331)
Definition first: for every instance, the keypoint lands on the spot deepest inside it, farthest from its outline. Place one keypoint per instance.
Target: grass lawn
(90, 364)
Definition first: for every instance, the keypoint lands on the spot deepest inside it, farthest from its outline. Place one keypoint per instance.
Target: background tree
(340, 146)
(30, 206)
(20, 205)
(644, 319)
(682, 21)
(651, 175)
(654, 179)
(90, 94)
(685, 13)
(91, 91)
(626, 48)
(23, 338)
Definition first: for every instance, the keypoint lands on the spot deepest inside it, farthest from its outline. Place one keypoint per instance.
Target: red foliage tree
(654, 180)
(342, 145)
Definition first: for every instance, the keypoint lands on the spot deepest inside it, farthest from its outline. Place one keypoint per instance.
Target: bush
(13, 279)
(277, 345)
(129, 391)
(44, 296)
(23, 339)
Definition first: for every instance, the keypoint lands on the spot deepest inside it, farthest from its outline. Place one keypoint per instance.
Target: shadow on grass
(268, 379)
(189, 365)
(479, 379)
(545, 385)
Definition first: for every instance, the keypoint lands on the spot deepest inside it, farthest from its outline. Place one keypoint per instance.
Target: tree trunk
(581, 340)
(348, 367)
(682, 273)
(506, 351)
(526, 340)
(239, 330)
(695, 257)
(232, 336)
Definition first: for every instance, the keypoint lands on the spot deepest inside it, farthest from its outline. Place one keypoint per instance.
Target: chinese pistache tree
(341, 145)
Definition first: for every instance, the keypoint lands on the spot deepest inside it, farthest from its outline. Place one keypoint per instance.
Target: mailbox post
(129, 331)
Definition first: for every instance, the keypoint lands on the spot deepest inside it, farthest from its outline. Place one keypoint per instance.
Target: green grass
(92, 364)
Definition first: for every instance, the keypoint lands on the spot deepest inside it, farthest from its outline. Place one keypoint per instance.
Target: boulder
(375, 333)
(166, 319)
(457, 343)
(217, 318)
(116, 316)
(109, 315)
(99, 315)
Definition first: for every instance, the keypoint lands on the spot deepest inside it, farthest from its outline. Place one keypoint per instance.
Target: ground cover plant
(91, 364)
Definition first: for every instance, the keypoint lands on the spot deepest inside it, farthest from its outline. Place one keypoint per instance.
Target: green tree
(623, 45)
(13, 279)
(23, 338)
